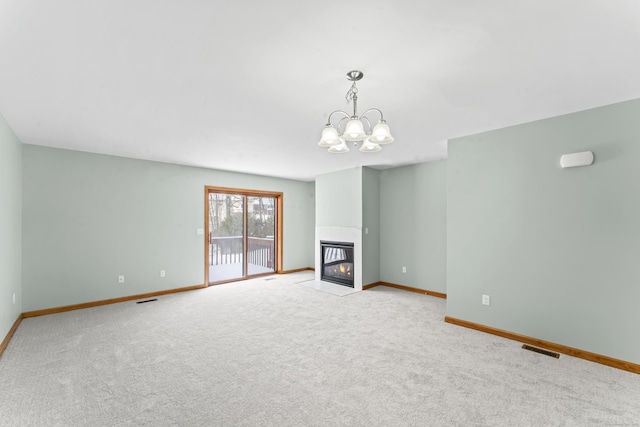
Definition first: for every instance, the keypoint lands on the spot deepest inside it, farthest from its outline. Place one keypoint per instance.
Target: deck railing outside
(228, 250)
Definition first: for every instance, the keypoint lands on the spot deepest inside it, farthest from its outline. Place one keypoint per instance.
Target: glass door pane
(261, 229)
(226, 237)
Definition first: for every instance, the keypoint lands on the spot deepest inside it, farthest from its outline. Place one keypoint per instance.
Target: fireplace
(337, 263)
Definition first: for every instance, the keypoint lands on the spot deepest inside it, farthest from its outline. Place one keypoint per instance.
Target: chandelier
(351, 128)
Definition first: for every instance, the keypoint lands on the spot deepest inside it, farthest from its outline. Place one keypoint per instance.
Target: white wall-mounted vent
(584, 158)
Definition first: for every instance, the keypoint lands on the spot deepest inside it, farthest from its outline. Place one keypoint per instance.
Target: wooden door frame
(248, 193)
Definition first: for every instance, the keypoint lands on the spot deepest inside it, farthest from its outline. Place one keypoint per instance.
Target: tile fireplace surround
(341, 234)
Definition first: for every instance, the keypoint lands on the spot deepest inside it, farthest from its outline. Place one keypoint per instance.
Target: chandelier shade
(329, 136)
(357, 128)
(341, 147)
(354, 131)
(381, 133)
(370, 147)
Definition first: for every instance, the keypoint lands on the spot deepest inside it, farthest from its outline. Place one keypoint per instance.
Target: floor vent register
(541, 351)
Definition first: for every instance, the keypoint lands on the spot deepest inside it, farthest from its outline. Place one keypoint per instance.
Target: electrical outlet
(121, 279)
(200, 231)
(163, 273)
(404, 269)
(486, 300)
(366, 230)
(14, 297)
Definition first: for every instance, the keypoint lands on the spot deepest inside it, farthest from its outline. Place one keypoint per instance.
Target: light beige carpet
(274, 353)
(331, 288)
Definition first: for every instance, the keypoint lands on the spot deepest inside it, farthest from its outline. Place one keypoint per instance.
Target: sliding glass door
(261, 230)
(243, 234)
(226, 231)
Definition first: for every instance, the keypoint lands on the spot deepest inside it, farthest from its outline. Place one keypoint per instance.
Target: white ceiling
(248, 85)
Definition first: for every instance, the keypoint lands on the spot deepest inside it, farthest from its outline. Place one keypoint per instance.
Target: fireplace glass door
(337, 263)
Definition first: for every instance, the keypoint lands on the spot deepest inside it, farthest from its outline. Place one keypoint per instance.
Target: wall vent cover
(541, 351)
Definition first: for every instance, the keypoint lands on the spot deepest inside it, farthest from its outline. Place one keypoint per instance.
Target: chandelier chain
(351, 93)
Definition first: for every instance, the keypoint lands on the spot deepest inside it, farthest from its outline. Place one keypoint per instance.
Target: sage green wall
(370, 226)
(556, 249)
(413, 218)
(339, 198)
(88, 218)
(10, 228)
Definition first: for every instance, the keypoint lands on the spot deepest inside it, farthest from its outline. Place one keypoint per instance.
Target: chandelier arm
(373, 109)
(335, 112)
(363, 118)
(342, 120)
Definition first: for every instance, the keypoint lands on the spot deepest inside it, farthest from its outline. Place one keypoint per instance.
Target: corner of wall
(10, 229)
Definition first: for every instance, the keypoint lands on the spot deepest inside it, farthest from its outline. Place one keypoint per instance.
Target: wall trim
(570, 351)
(297, 270)
(406, 288)
(13, 329)
(90, 304)
(98, 303)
